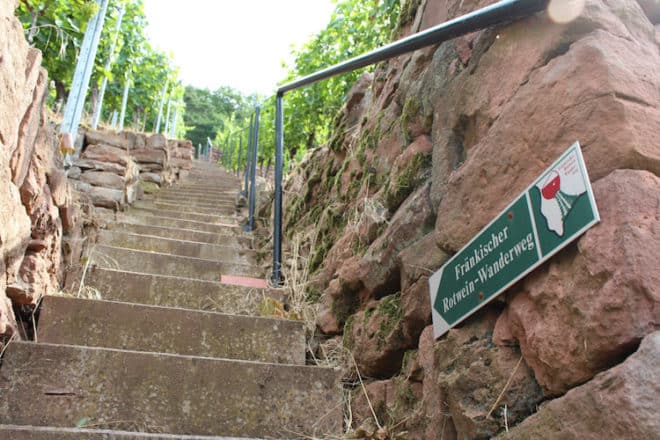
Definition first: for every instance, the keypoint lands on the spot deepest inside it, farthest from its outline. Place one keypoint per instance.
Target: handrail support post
(276, 279)
(253, 171)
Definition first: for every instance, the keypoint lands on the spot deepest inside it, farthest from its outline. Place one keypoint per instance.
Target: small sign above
(550, 214)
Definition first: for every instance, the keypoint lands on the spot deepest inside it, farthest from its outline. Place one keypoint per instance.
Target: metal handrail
(498, 13)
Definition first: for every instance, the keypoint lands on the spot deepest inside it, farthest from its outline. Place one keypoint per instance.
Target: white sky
(235, 43)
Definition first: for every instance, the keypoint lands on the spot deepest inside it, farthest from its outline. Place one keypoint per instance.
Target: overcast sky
(235, 43)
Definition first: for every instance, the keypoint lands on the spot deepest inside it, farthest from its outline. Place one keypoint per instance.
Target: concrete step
(148, 218)
(188, 205)
(59, 385)
(219, 210)
(195, 201)
(13, 432)
(107, 324)
(219, 219)
(168, 291)
(205, 189)
(118, 258)
(184, 248)
(226, 236)
(209, 192)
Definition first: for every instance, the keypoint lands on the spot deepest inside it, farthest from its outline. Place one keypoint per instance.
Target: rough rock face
(471, 379)
(619, 403)
(479, 117)
(594, 303)
(31, 194)
(593, 80)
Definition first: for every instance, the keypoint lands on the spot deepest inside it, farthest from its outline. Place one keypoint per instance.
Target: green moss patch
(406, 181)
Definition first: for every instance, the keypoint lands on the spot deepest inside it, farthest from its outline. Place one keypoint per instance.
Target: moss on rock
(406, 181)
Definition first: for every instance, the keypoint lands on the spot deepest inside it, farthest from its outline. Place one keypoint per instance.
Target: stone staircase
(169, 351)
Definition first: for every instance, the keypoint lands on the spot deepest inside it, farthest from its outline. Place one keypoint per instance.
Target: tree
(214, 114)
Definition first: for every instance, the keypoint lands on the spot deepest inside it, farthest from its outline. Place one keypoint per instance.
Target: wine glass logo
(560, 189)
(551, 189)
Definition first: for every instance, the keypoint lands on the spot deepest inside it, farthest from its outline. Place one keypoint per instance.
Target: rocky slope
(433, 145)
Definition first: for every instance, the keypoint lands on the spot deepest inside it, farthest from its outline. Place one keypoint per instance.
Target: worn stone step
(220, 210)
(111, 257)
(13, 432)
(219, 219)
(109, 324)
(191, 197)
(173, 246)
(195, 201)
(209, 192)
(147, 218)
(206, 189)
(120, 389)
(169, 291)
(187, 205)
(226, 236)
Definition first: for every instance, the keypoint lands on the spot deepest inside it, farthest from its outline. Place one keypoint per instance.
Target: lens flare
(565, 11)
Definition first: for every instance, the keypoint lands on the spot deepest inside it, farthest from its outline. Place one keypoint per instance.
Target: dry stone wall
(428, 149)
(114, 169)
(45, 211)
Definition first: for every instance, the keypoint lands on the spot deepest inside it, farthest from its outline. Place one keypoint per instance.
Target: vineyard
(127, 59)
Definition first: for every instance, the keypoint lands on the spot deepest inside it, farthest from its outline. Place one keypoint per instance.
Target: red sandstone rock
(134, 140)
(102, 197)
(98, 137)
(421, 259)
(416, 307)
(408, 172)
(593, 303)
(621, 402)
(87, 164)
(150, 155)
(376, 337)
(598, 90)
(7, 321)
(157, 141)
(151, 177)
(357, 99)
(381, 397)
(106, 153)
(104, 179)
(436, 409)
(472, 372)
(59, 187)
(379, 270)
(31, 122)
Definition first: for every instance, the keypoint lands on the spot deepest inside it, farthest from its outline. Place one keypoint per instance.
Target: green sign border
(440, 325)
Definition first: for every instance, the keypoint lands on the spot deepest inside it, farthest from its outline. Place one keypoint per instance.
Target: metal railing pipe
(253, 171)
(498, 13)
(240, 155)
(502, 12)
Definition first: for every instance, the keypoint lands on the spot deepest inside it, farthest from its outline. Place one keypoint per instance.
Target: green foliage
(57, 27)
(356, 27)
(391, 315)
(310, 113)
